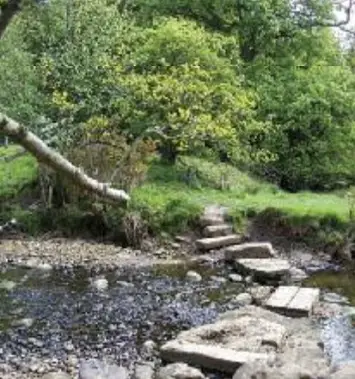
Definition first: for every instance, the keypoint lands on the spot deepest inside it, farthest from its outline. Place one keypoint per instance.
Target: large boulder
(345, 371)
(179, 371)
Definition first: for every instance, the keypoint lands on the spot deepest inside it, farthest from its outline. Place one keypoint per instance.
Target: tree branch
(57, 162)
(7, 12)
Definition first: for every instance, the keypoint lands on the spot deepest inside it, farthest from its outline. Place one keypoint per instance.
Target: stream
(47, 317)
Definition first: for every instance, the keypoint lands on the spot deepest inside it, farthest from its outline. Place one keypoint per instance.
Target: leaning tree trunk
(57, 162)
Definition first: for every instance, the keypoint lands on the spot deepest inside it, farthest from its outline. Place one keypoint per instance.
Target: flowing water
(140, 304)
(54, 314)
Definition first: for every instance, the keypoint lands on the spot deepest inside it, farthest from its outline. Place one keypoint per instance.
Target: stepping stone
(217, 242)
(208, 356)
(218, 230)
(249, 250)
(293, 301)
(264, 269)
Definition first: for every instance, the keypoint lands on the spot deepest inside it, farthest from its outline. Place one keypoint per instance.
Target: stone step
(218, 230)
(249, 250)
(208, 356)
(217, 242)
(264, 269)
(293, 301)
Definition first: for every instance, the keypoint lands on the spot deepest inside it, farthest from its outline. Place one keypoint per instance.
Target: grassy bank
(172, 197)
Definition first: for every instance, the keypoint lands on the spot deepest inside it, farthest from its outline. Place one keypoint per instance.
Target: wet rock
(297, 275)
(56, 375)
(25, 322)
(7, 285)
(218, 279)
(149, 347)
(100, 284)
(96, 369)
(31, 263)
(45, 267)
(193, 276)
(179, 371)
(125, 284)
(243, 299)
(264, 269)
(144, 370)
(345, 371)
(260, 294)
(335, 298)
(68, 346)
(259, 370)
(235, 278)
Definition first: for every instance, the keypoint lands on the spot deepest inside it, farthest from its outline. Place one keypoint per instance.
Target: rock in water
(193, 276)
(258, 370)
(100, 284)
(179, 371)
(144, 370)
(243, 299)
(95, 369)
(56, 375)
(7, 285)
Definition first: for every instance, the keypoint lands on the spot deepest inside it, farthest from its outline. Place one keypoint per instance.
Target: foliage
(15, 174)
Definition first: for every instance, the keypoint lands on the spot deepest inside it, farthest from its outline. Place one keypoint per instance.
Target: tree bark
(57, 162)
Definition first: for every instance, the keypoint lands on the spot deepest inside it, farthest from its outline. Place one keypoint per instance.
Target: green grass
(164, 185)
(15, 174)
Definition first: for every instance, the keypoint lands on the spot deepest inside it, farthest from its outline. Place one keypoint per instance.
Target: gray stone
(260, 370)
(260, 294)
(335, 298)
(45, 267)
(31, 263)
(7, 285)
(345, 371)
(100, 284)
(217, 230)
(293, 301)
(249, 250)
(217, 242)
(144, 370)
(149, 347)
(26, 322)
(265, 268)
(56, 375)
(208, 356)
(125, 284)
(96, 369)
(179, 371)
(297, 275)
(218, 279)
(235, 278)
(243, 299)
(193, 276)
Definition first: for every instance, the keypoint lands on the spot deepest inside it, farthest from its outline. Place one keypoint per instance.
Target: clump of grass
(15, 174)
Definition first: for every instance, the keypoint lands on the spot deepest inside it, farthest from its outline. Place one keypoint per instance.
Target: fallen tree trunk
(57, 162)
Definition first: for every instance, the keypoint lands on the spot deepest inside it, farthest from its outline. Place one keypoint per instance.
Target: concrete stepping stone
(293, 301)
(264, 269)
(217, 242)
(218, 230)
(249, 250)
(208, 356)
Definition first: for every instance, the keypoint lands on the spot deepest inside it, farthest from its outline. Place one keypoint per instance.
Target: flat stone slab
(264, 268)
(217, 242)
(293, 301)
(218, 230)
(249, 250)
(208, 356)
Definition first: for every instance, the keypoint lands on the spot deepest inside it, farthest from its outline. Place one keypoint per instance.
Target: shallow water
(69, 316)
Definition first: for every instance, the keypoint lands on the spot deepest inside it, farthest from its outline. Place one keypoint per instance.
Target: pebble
(100, 284)
(193, 276)
(243, 299)
(235, 278)
(26, 322)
